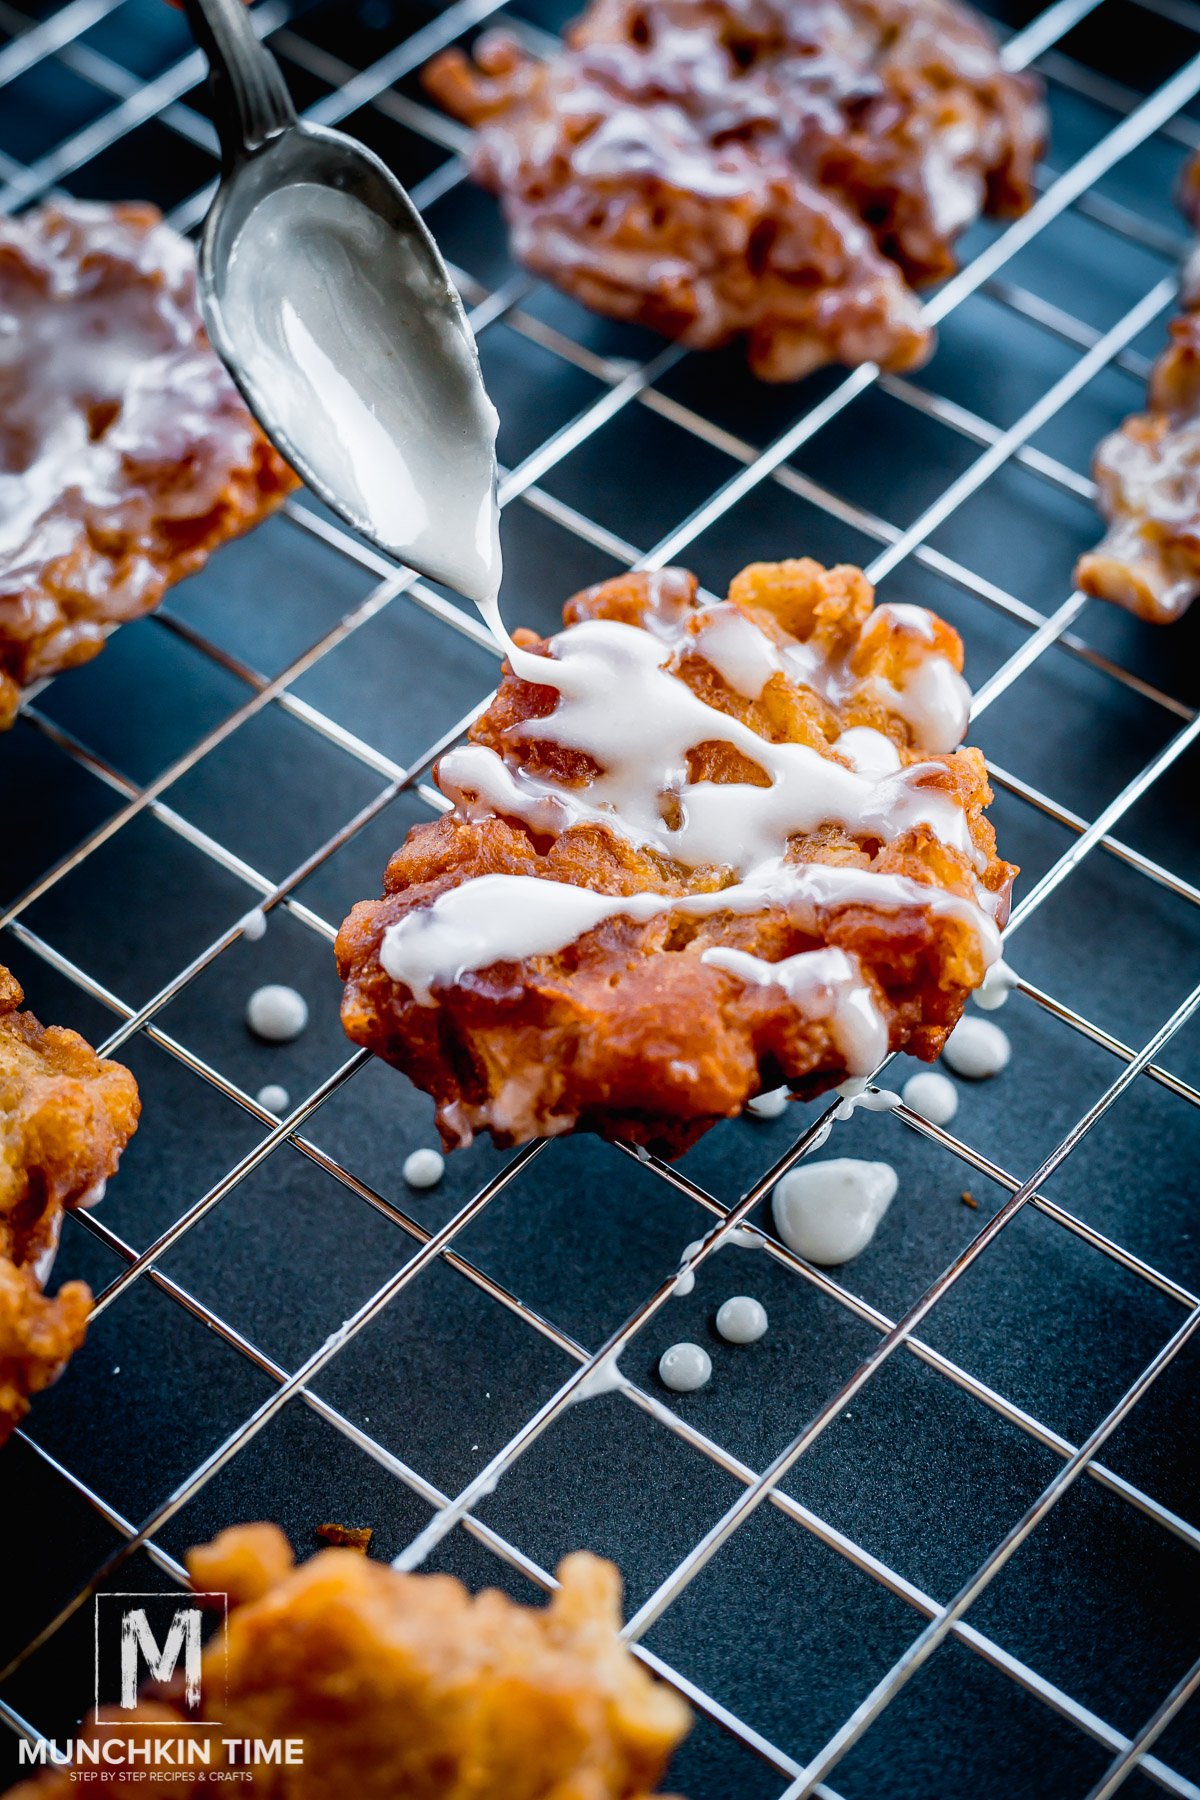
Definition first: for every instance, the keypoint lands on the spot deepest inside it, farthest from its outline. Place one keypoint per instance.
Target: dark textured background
(783, 1630)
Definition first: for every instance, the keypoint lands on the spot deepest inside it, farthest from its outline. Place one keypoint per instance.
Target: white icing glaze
(827, 1212)
(868, 751)
(997, 985)
(424, 1168)
(856, 1096)
(43, 1263)
(495, 918)
(740, 1238)
(684, 1368)
(935, 701)
(820, 984)
(685, 1282)
(605, 1378)
(976, 1048)
(499, 918)
(741, 1320)
(742, 655)
(771, 1105)
(316, 284)
(620, 704)
(254, 925)
(912, 618)
(931, 1095)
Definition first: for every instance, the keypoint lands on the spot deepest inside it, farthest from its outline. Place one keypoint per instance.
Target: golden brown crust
(126, 453)
(65, 1117)
(406, 1687)
(781, 170)
(629, 1032)
(38, 1336)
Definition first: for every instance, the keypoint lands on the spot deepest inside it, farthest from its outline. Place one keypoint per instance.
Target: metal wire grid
(627, 386)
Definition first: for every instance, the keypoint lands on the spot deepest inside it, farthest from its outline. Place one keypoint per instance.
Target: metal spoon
(326, 297)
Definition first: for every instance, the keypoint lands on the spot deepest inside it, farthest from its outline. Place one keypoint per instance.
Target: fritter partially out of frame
(126, 453)
(694, 852)
(405, 1687)
(65, 1117)
(784, 170)
(1148, 473)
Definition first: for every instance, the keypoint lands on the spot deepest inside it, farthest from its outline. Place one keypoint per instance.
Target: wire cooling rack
(937, 1532)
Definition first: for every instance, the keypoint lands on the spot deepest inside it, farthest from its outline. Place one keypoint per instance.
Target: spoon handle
(251, 102)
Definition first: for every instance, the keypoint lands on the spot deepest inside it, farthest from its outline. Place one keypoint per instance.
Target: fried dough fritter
(1148, 471)
(783, 170)
(126, 453)
(634, 1029)
(1148, 474)
(406, 1687)
(65, 1117)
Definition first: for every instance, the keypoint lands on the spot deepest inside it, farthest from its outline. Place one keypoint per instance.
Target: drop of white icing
(254, 925)
(997, 985)
(424, 1168)
(931, 1095)
(858, 1097)
(605, 1378)
(274, 1098)
(741, 1320)
(976, 1048)
(44, 1262)
(684, 1368)
(771, 1105)
(742, 1237)
(402, 437)
(686, 1282)
(276, 1013)
(935, 702)
(827, 1212)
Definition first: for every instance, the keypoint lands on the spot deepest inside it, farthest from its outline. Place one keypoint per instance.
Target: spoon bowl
(326, 297)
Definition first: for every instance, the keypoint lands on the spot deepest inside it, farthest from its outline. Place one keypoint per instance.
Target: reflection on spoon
(391, 415)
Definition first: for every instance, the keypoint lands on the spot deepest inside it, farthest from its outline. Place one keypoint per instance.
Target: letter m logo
(140, 1648)
(144, 1637)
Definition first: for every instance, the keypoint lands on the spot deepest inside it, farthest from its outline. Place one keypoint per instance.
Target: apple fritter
(65, 1117)
(126, 453)
(784, 171)
(694, 852)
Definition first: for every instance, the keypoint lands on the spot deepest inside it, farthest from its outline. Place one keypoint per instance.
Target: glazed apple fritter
(784, 170)
(1148, 472)
(783, 908)
(126, 454)
(65, 1117)
(406, 1687)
